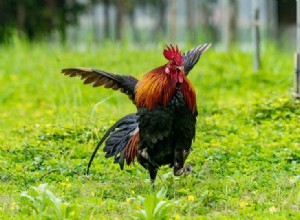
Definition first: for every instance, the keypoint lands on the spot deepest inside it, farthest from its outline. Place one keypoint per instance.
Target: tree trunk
(297, 55)
(190, 20)
(173, 23)
(51, 14)
(160, 26)
(272, 23)
(21, 14)
(256, 38)
(232, 21)
(229, 27)
(119, 19)
(135, 33)
(63, 25)
(95, 28)
(106, 19)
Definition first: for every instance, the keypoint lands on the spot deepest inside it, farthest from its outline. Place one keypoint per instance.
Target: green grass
(247, 148)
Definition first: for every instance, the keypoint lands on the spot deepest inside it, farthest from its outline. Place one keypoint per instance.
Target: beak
(180, 68)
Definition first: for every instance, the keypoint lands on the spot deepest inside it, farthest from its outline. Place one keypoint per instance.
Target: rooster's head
(174, 67)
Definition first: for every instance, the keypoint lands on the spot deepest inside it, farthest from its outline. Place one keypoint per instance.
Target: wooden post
(297, 56)
(256, 37)
(297, 75)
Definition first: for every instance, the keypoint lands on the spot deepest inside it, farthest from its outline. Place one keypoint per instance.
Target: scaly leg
(153, 173)
(145, 161)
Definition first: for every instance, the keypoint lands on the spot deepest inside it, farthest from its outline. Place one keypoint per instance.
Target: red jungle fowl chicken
(162, 129)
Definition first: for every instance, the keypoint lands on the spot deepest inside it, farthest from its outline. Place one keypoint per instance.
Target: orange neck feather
(188, 93)
(158, 88)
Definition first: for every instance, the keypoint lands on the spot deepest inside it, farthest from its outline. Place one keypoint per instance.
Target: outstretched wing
(124, 83)
(191, 57)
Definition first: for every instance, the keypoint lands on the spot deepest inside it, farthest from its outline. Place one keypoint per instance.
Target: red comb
(172, 53)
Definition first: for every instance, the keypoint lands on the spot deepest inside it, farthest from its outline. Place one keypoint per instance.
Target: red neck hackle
(158, 86)
(174, 67)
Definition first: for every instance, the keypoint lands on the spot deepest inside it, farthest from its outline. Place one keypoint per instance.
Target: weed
(41, 203)
(154, 206)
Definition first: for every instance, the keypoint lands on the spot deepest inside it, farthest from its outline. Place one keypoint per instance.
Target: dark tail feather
(129, 123)
(190, 58)
(98, 146)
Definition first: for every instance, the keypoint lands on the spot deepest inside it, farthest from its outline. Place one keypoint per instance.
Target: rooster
(163, 128)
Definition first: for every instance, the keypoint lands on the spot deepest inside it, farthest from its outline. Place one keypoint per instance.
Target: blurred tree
(20, 17)
(6, 21)
(190, 20)
(131, 6)
(229, 23)
(106, 4)
(232, 21)
(208, 30)
(125, 11)
(173, 20)
(120, 11)
(36, 19)
(106, 18)
(161, 24)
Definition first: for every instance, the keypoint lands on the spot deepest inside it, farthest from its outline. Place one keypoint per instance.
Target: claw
(185, 170)
(189, 169)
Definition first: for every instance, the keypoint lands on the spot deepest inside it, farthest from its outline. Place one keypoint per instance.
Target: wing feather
(90, 79)
(126, 84)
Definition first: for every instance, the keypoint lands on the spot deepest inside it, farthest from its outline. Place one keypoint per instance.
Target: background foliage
(36, 20)
(246, 150)
(223, 22)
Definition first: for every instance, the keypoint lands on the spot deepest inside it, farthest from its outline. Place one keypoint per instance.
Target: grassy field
(246, 152)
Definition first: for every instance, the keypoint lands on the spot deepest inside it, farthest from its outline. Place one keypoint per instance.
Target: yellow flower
(67, 185)
(243, 204)
(128, 200)
(50, 111)
(132, 192)
(191, 198)
(12, 205)
(177, 217)
(28, 104)
(13, 77)
(37, 114)
(72, 213)
(4, 115)
(273, 209)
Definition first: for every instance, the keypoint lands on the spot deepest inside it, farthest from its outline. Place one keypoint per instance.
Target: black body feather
(164, 133)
